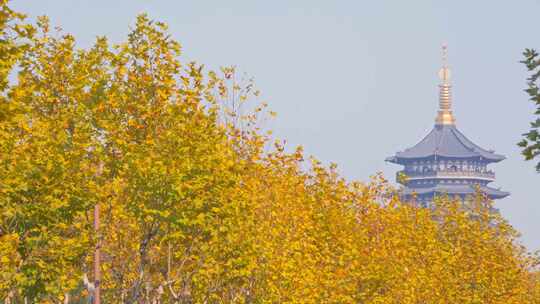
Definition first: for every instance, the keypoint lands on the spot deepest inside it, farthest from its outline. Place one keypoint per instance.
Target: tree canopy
(199, 204)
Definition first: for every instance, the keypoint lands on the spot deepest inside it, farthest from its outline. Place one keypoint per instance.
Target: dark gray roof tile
(445, 141)
(456, 189)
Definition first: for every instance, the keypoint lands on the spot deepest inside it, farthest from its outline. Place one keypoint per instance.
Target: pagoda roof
(445, 141)
(457, 190)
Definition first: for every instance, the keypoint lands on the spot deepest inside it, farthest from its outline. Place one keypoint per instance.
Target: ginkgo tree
(198, 204)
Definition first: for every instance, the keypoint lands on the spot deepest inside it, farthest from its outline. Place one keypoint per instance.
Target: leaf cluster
(198, 205)
(531, 140)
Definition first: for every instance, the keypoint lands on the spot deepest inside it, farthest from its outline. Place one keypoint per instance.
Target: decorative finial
(445, 54)
(445, 116)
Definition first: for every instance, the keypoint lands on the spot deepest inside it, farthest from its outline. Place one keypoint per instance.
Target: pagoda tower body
(445, 162)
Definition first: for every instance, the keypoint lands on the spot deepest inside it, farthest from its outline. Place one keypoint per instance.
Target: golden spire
(445, 116)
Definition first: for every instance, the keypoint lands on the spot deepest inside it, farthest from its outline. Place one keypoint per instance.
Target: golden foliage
(196, 205)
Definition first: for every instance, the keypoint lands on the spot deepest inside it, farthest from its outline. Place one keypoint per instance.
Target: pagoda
(445, 162)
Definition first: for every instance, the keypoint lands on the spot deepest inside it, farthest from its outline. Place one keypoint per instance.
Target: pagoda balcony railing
(486, 175)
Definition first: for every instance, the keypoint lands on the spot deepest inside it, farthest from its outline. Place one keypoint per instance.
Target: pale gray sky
(356, 81)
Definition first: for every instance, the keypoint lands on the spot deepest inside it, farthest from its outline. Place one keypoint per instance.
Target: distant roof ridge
(423, 139)
(462, 136)
(458, 189)
(458, 134)
(454, 144)
(440, 139)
